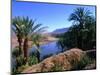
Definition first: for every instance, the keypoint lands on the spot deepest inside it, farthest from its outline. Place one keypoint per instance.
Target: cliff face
(63, 61)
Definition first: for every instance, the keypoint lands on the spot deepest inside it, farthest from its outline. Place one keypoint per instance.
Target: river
(46, 49)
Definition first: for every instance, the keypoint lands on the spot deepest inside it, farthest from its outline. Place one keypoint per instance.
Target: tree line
(82, 33)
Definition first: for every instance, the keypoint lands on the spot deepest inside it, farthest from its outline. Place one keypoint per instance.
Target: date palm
(17, 27)
(36, 42)
(24, 28)
(80, 16)
(30, 29)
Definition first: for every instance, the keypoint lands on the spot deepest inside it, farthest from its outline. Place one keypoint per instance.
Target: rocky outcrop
(65, 61)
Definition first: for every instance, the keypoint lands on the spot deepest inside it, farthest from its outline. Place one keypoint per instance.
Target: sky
(54, 16)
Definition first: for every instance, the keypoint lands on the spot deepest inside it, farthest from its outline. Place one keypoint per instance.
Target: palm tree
(30, 28)
(61, 44)
(25, 27)
(80, 17)
(17, 27)
(36, 42)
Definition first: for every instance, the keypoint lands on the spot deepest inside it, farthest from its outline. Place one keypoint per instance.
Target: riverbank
(42, 42)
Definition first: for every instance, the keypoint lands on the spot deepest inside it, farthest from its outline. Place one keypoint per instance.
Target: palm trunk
(38, 53)
(38, 56)
(79, 40)
(20, 43)
(25, 48)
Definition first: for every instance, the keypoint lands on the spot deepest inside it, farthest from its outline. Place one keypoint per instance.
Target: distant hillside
(60, 31)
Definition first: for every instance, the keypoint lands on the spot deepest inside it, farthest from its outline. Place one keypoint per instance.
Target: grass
(32, 60)
(21, 64)
(84, 61)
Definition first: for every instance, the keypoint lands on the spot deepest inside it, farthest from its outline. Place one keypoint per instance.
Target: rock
(65, 61)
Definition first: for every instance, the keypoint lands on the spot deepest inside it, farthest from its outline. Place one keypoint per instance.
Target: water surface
(46, 49)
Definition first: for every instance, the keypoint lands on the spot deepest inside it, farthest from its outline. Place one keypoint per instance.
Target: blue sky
(54, 16)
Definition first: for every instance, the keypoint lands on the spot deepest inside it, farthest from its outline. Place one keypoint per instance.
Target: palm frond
(36, 27)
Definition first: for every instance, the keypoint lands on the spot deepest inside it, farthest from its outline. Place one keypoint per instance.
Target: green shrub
(16, 52)
(14, 71)
(20, 61)
(82, 63)
(32, 60)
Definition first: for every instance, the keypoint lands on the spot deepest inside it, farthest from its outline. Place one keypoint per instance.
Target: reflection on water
(50, 48)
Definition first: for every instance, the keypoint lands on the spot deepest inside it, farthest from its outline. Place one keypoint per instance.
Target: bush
(20, 61)
(83, 62)
(16, 52)
(32, 60)
(14, 71)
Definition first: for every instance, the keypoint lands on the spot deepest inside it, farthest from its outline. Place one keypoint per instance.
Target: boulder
(63, 61)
